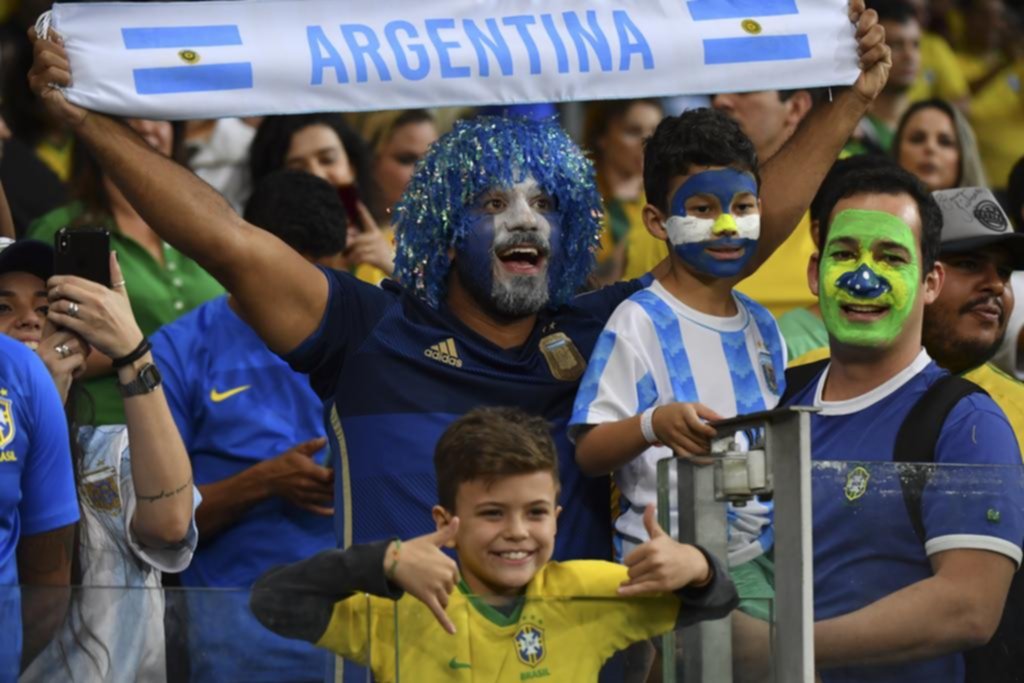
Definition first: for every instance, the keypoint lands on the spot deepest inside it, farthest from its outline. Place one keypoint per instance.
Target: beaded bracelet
(141, 350)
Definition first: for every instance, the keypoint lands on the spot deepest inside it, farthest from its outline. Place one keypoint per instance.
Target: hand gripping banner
(179, 60)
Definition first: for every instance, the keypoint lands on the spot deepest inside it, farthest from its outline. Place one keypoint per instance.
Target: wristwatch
(149, 379)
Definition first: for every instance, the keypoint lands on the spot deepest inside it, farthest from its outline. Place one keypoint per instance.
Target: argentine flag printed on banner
(251, 57)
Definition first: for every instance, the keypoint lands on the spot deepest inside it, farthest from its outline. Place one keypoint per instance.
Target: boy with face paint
(688, 348)
(889, 607)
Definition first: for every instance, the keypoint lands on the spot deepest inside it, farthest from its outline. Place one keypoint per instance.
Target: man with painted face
(891, 605)
(688, 348)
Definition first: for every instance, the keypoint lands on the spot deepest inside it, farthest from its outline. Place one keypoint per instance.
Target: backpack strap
(919, 435)
(797, 378)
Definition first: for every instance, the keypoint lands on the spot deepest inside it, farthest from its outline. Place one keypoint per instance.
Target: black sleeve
(709, 602)
(297, 600)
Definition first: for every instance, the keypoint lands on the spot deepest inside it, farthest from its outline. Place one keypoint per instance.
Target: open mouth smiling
(522, 259)
(866, 313)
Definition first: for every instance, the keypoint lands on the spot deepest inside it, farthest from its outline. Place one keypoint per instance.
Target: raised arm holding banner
(181, 60)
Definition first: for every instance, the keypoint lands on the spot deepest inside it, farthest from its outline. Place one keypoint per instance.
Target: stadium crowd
(356, 370)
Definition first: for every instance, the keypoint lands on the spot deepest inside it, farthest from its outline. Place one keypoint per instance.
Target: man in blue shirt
(254, 431)
(890, 605)
(38, 503)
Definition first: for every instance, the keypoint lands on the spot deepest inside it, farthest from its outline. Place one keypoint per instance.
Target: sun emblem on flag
(6, 422)
(189, 56)
(529, 641)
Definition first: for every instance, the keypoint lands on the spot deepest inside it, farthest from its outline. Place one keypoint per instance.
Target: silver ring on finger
(63, 350)
(119, 283)
(73, 309)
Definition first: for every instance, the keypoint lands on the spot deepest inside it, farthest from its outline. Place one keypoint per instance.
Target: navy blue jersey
(865, 546)
(395, 373)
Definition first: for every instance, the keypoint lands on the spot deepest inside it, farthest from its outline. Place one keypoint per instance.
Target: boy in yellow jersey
(506, 612)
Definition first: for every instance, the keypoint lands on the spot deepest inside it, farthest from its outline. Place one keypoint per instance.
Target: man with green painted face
(889, 605)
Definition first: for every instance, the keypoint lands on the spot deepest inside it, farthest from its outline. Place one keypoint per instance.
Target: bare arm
(256, 267)
(790, 179)
(956, 609)
(44, 570)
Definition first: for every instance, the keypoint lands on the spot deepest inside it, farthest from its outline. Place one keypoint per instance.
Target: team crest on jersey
(529, 641)
(856, 483)
(101, 490)
(7, 428)
(768, 371)
(564, 360)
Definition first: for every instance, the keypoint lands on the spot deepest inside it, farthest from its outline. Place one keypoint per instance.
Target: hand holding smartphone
(83, 252)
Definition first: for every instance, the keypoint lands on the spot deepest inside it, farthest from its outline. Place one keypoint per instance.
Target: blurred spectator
(128, 535)
(398, 139)
(614, 134)
(903, 35)
(940, 75)
(769, 118)
(163, 283)
(1015, 195)
(38, 508)
(936, 143)
(992, 58)
(966, 324)
(884, 602)
(218, 151)
(1010, 356)
(254, 431)
(324, 145)
(33, 189)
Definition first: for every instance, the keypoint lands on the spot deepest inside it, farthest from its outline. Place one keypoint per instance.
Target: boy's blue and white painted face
(512, 250)
(715, 221)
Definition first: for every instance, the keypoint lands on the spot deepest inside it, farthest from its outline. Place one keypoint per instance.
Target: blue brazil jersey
(865, 546)
(396, 373)
(237, 404)
(37, 488)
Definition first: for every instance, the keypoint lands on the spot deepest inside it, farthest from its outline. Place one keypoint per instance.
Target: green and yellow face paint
(870, 274)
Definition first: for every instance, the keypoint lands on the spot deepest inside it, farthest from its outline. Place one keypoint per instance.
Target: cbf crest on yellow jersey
(569, 622)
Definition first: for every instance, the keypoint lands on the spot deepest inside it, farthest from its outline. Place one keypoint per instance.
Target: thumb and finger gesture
(661, 564)
(422, 569)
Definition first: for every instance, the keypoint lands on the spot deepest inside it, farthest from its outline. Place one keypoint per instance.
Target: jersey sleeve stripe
(973, 542)
(591, 383)
(646, 393)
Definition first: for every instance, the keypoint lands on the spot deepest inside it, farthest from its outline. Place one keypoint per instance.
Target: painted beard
(510, 278)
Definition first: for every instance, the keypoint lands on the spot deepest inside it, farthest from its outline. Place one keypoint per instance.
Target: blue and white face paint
(719, 235)
(512, 252)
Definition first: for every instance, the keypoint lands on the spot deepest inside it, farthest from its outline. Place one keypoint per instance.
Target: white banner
(212, 59)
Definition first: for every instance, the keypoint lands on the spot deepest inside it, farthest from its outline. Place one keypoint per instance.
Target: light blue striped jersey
(656, 350)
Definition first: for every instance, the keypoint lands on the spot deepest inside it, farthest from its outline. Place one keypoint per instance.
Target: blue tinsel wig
(479, 154)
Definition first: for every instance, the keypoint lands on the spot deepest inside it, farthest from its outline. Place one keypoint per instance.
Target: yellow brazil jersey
(940, 75)
(997, 114)
(780, 284)
(569, 622)
(1007, 392)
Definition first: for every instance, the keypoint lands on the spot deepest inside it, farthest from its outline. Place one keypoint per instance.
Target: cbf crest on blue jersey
(7, 428)
(856, 483)
(529, 641)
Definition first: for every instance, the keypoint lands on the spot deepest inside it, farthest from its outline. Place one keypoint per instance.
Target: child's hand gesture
(662, 565)
(421, 569)
(683, 428)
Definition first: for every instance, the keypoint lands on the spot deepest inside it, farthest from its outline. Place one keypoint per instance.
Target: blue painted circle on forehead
(724, 183)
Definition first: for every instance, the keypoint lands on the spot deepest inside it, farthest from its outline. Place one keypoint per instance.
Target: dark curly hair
(274, 136)
(302, 210)
(698, 137)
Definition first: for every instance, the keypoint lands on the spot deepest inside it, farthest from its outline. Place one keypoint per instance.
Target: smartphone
(349, 195)
(84, 252)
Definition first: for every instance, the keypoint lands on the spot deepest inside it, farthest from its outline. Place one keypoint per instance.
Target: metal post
(788, 438)
(702, 519)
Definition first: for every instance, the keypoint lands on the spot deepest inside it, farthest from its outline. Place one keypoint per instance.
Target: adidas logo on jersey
(445, 352)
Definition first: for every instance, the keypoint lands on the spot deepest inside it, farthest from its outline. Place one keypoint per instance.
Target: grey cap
(972, 219)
